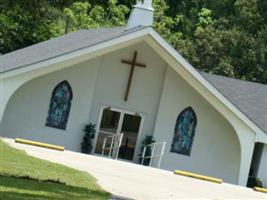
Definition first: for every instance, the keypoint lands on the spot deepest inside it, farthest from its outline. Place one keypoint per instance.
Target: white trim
(134, 37)
(98, 127)
(119, 131)
(86, 53)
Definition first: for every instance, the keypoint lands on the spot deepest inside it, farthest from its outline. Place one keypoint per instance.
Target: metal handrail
(112, 145)
(163, 144)
(106, 132)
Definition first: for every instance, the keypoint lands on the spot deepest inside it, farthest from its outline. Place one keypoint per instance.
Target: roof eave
(135, 36)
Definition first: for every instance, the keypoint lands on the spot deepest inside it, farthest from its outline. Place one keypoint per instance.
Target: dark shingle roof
(58, 46)
(249, 97)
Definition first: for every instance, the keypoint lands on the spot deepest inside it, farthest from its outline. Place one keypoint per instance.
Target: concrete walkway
(131, 181)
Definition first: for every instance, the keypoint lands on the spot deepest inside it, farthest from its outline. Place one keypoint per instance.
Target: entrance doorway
(114, 122)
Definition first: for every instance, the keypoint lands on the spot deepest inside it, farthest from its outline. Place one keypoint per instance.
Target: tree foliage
(227, 37)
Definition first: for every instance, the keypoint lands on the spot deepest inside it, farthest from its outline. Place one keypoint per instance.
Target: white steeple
(141, 15)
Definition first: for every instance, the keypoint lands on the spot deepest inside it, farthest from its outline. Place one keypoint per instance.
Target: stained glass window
(59, 107)
(184, 132)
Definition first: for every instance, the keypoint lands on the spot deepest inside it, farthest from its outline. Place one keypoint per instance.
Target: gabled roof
(58, 46)
(250, 98)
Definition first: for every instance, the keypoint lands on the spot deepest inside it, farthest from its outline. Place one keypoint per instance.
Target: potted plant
(87, 143)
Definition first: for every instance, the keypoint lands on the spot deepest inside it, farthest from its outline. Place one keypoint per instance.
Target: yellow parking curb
(258, 189)
(39, 144)
(198, 176)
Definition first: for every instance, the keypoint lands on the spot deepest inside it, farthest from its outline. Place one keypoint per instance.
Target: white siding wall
(26, 112)
(262, 174)
(95, 83)
(145, 90)
(215, 151)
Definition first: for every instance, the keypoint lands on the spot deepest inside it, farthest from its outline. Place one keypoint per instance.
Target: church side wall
(27, 110)
(262, 173)
(216, 148)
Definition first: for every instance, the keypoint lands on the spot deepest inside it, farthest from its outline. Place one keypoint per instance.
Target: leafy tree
(83, 15)
(225, 37)
(24, 23)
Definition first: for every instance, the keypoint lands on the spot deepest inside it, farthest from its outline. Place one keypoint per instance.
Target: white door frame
(122, 113)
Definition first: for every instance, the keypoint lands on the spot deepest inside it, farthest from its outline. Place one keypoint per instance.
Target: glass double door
(114, 122)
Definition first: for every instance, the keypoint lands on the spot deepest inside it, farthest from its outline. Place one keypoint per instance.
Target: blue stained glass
(184, 132)
(59, 107)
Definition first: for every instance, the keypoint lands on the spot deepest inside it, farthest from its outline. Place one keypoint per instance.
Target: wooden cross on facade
(133, 64)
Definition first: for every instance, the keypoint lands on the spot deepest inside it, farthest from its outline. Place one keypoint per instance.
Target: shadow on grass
(12, 188)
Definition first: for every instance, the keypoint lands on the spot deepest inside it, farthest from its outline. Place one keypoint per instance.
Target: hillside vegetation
(226, 37)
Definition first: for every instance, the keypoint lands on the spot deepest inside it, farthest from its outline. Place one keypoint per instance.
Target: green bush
(87, 143)
(254, 182)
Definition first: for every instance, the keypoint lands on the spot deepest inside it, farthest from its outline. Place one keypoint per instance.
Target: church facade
(131, 81)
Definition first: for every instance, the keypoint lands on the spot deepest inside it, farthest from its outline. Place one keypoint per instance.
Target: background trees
(227, 37)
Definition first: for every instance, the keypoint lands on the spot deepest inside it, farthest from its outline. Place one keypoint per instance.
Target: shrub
(87, 143)
(254, 182)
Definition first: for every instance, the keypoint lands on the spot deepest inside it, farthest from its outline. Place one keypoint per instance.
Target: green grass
(23, 177)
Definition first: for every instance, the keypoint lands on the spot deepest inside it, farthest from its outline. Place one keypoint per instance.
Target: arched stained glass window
(59, 107)
(184, 132)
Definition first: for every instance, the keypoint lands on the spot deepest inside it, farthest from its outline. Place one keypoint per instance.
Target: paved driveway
(132, 181)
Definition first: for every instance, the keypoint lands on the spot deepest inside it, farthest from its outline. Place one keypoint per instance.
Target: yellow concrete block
(198, 176)
(39, 144)
(258, 189)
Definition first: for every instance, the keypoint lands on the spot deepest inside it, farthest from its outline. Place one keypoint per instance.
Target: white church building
(130, 80)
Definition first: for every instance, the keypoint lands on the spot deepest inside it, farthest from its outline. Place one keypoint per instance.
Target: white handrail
(114, 139)
(106, 132)
(119, 145)
(163, 144)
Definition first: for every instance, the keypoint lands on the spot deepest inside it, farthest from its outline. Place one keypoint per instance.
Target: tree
(84, 16)
(224, 37)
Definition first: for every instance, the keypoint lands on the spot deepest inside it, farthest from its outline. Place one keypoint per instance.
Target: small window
(59, 107)
(184, 132)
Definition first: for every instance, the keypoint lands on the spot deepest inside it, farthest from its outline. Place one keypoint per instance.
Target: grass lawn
(23, 177)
